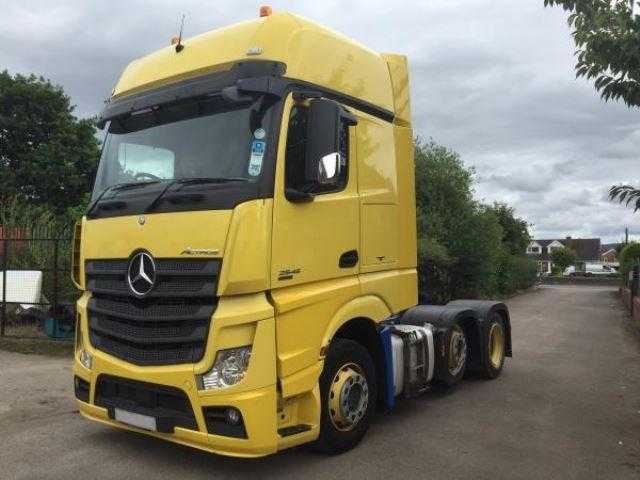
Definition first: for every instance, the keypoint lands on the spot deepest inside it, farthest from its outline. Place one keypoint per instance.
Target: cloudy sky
(491, 79)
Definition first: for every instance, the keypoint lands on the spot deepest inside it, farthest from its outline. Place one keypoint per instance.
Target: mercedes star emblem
(141, 275)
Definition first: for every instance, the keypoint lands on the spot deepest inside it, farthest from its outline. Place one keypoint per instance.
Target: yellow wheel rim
(496, 345)
(348, 397)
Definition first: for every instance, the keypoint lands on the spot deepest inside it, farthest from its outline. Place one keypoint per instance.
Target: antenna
(179, 46)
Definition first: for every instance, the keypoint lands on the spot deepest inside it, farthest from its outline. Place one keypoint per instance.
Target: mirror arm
(302, 95)
(348, 118)
(297, 196)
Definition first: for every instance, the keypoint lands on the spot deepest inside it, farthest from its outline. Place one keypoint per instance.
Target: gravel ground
(567, 406)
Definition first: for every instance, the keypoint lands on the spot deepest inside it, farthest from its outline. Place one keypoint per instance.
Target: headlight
(228, 369)
(86, 359)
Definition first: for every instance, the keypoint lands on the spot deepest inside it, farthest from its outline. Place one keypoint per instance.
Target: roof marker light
(265, 11)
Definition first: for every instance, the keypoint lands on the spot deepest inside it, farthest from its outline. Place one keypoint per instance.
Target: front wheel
(348, 394)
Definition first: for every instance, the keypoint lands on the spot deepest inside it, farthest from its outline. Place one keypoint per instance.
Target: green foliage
(629, 257)
(463, 249)
(563, 258)
(607, 38)
(47, 156)
(626, 194)
(516, 272)
(515, 230)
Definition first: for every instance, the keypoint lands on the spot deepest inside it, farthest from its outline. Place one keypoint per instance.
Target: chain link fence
(37, 296)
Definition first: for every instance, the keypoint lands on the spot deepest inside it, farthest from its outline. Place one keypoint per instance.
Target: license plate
(135, 419)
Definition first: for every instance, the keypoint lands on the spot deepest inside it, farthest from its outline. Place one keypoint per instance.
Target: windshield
(208, 138)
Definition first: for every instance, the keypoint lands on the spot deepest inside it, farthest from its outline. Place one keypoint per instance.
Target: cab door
(314, 238)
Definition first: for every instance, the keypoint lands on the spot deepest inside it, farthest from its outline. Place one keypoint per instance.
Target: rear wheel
(348, 395)
(456, 354)
(495, 348)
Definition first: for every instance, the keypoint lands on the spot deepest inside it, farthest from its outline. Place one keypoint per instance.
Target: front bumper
(261, 431)
(234, 324)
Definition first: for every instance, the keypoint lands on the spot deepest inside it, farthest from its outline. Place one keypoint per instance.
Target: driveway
(567, 406)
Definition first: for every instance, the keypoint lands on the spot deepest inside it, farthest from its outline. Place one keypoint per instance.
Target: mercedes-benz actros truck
(248, 259)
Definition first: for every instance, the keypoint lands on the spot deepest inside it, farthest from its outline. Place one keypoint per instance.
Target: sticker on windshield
(257, 154)
(259, 133)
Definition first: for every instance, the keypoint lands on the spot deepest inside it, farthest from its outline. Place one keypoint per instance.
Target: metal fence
(36, 291)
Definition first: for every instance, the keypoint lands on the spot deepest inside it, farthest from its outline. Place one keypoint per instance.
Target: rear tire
(495, 347)
(348, 393)
(456, 356)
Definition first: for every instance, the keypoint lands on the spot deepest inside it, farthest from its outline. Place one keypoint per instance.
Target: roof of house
(585, 248)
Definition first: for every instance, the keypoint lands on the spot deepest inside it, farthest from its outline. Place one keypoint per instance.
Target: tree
(629, 257)
(563, 258)
(47, 156)
(626, 194)
(515, 230)
(463, 250)
(607, 38)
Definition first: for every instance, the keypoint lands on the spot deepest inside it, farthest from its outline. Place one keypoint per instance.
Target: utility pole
(626, 235)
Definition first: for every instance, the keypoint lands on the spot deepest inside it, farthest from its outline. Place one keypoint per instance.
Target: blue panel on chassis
(389, 391)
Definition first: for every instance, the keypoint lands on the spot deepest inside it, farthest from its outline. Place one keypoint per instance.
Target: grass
(29, 339)
(37, 345)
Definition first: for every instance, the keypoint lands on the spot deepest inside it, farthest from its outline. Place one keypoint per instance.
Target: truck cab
(251, 233)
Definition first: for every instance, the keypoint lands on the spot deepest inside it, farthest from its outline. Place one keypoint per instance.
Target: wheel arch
(364, 331)
(485, 310)
(358, 321)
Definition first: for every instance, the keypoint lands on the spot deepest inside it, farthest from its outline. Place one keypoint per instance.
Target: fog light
(233, 416)
(86, 359)
(228, 369)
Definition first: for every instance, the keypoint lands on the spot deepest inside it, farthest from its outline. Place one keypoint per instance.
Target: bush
(516, 272)
(629, 257)
(563, 258)
(465, 249)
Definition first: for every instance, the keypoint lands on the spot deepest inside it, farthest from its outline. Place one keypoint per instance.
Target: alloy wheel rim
(457, 351)
(348, 397)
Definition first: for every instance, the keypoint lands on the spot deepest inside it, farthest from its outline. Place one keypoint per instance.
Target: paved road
(566, 407)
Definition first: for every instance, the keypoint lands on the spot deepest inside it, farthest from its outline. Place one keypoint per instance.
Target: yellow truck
(248, 260)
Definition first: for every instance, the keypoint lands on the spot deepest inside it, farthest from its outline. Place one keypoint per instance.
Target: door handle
(348, 259)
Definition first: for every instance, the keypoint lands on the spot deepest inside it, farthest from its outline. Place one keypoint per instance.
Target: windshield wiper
(190, 181)
(115, 188)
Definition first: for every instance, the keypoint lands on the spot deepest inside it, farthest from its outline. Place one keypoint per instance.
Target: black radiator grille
(168, 326)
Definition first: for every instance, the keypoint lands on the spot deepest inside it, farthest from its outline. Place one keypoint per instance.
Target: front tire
(348, 396)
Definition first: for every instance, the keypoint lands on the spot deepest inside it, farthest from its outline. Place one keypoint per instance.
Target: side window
(295, 156)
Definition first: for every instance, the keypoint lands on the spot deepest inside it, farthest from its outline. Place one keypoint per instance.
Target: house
(609, 254)
(588, 250)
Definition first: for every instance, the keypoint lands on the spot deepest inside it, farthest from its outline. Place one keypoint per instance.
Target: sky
(490, 79)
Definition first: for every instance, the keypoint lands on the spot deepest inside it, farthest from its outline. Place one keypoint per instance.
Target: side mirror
(323, 137)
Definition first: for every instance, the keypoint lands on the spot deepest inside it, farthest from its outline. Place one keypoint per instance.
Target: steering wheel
(141, 175)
